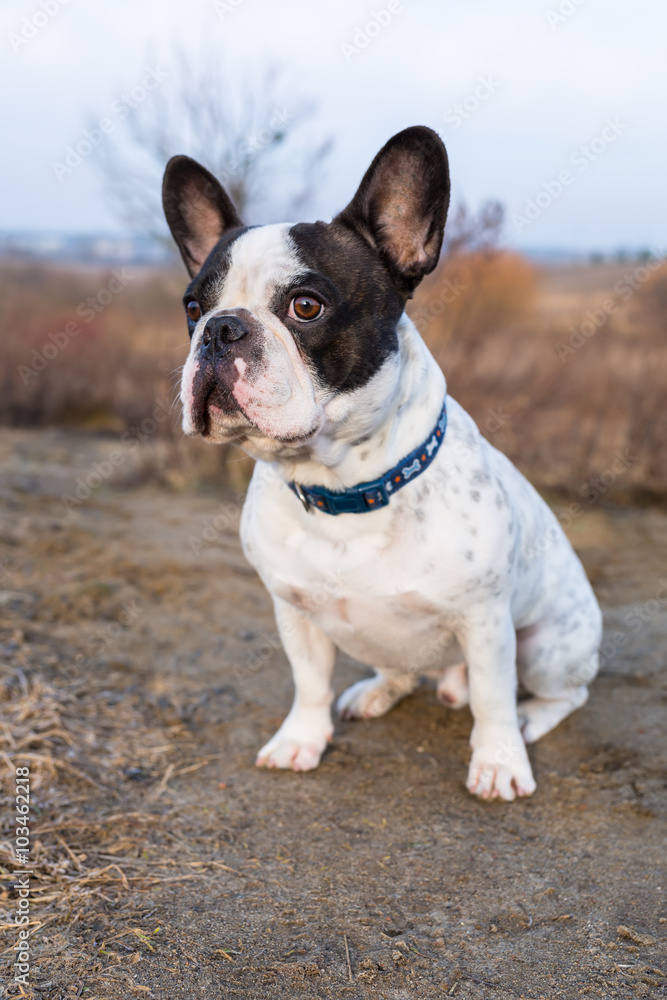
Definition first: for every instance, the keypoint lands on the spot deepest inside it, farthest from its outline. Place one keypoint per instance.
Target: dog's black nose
(221, 331)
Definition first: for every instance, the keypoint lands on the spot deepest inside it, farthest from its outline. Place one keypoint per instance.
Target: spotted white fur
(467, 551)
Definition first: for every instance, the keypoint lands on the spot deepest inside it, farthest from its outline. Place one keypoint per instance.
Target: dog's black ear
(197, 208)
(401, 205)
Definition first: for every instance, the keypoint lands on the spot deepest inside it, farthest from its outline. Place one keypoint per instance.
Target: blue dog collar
(378, 492)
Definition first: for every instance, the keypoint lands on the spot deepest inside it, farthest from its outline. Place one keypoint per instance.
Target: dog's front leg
(300, 741)
(499, 767)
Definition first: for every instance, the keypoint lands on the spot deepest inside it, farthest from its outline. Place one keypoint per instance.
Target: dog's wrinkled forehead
(247, 269)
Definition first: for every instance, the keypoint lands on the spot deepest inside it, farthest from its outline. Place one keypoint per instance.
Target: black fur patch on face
(205, 286)
(356, 333)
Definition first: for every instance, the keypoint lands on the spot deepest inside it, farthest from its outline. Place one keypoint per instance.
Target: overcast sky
(537, 81)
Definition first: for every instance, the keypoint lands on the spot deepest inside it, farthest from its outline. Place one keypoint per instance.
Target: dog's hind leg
(453, 686)
(538, 716)
(372, 697)
(556, 660)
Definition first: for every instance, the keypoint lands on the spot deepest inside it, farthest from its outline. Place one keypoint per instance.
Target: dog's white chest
(379, 598)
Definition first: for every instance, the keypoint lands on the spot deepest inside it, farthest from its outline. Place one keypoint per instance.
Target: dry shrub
(566, 416)
(491, 319)
(471, 295)
(63, 362)
(110, 377)
(653, 301)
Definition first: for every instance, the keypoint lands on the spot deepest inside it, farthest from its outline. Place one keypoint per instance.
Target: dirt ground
(140, 674)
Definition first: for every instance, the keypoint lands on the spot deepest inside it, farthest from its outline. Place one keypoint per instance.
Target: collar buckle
(303, 498)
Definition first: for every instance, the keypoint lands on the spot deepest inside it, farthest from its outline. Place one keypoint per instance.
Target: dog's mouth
(218, 416)
(211, 403)
(213, 417)
(214, 411)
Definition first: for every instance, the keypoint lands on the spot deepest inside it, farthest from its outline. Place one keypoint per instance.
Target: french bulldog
(379, 519)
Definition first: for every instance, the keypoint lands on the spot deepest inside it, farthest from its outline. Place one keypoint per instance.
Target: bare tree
(246, 133)
(467, 231)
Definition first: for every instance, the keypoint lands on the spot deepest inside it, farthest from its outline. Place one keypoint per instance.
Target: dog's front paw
(289, 754)
(375, 696)
(500, 769)
(298, 745)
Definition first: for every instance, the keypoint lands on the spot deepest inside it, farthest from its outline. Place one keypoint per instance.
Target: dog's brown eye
(193, 310)
(305, 307)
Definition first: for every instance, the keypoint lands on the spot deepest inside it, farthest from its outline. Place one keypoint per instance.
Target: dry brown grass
(111, 375)
(470, 296)
(563, 413)
(492, 320)
(84, 864)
